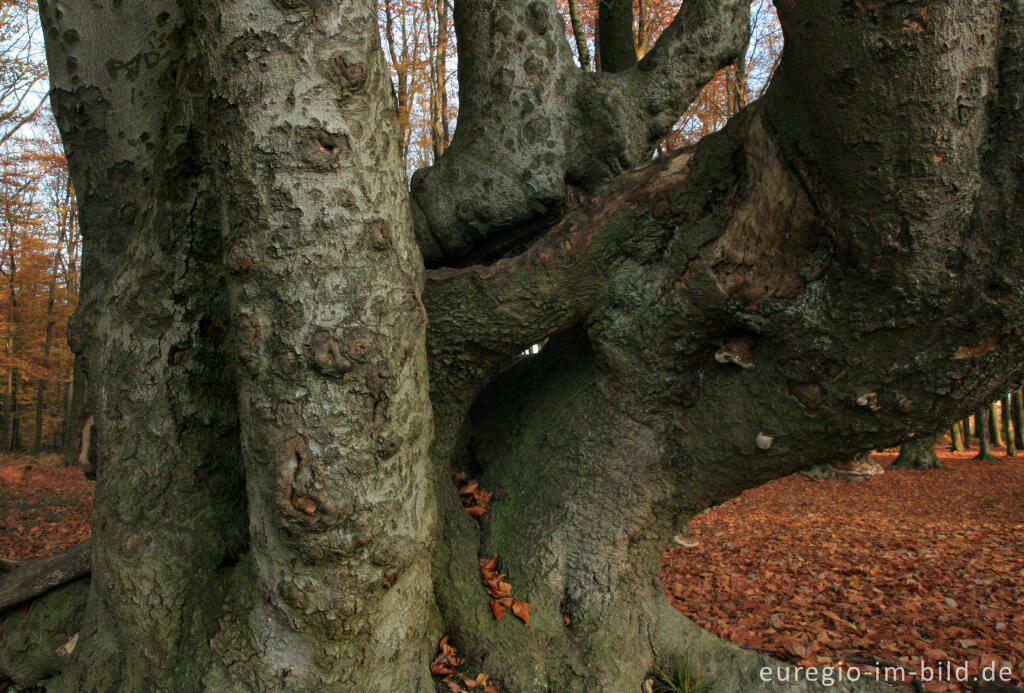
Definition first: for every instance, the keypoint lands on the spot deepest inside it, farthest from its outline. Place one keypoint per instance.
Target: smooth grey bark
(918, 453)
(956, 437)
(775, 297)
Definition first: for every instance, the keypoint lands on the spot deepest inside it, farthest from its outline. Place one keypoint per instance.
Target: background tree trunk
(582, 49)
(1008, 432)
(918, 453)
(956, 438)
(981, 416)
(1018, 419)
(995, 434)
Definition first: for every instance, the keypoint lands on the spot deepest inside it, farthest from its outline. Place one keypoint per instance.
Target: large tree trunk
(789, 291)
(250, 319)
(918, 453)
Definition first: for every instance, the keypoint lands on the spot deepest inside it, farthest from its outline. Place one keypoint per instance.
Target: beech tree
(288, 352)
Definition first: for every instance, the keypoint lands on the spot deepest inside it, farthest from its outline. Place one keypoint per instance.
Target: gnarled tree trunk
(788, 292)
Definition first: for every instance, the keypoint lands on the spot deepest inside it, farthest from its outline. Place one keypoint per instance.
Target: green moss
(30, 635)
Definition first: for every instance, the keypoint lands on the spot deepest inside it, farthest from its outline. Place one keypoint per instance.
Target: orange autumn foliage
(418, 37)
(39, 248)
(501, 592)
(445, 664)
(475, 499)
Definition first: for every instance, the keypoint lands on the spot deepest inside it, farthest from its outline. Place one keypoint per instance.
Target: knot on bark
(301, 492)
(327, 355)
(348, 76)
(380, 234)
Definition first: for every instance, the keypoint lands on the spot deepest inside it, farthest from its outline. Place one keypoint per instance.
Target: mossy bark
(956, 438)
(267, 516)
(32, 634)
(981, 424)
(995, 431)
(918, 453)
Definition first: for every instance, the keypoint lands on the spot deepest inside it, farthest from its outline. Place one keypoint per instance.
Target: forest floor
(44, 507)
(906, 568)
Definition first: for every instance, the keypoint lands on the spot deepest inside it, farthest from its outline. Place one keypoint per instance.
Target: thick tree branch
(615, 40)
(497, 310)
(514, 169)
(32, 578)
(704, 37)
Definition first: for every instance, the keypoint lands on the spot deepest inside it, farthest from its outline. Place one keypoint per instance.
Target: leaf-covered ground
(44, 508)
(906, 567)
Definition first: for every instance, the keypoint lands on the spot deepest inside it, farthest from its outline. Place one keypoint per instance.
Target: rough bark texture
(788, 292)
(36, 639)
(918, 453)
(253, 334)
(534, 128)
(766, 246)
(33, 578)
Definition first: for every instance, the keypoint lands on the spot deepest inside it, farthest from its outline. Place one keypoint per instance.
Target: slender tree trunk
(957, 438)
(967, 430)
(918, 453)
(5, 419)
(1008, 431)
(441, 70)
(1017, 408)
(982, 428)
(37, 438)
(74, 414)
(995, 435)
(582, 49)
(13, 428)
(738, 97)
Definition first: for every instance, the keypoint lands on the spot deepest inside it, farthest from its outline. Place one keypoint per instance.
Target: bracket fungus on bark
(764, 441)
(739, 351)
(869, 400)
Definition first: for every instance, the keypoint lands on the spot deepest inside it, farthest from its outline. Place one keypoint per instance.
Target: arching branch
(533, 128)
